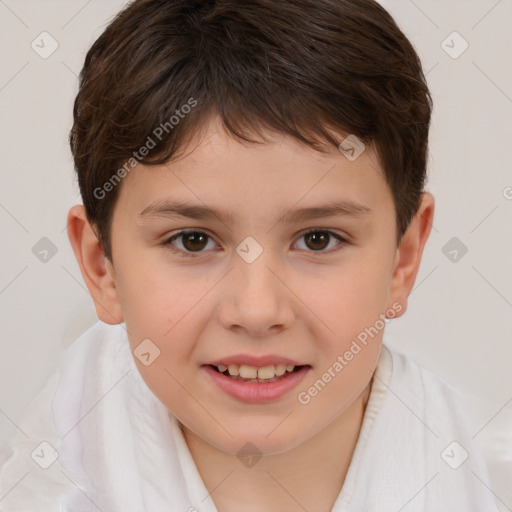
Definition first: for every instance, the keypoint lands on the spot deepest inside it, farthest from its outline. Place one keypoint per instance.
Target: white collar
(118, 449)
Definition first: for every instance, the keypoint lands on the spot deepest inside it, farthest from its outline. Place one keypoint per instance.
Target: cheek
(347, 299)
(154, 294)
(159, 305)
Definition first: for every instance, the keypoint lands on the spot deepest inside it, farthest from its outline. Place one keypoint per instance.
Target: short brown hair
(306, 68)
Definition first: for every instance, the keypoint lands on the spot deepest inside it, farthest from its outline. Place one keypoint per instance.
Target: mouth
(263, 374)
(256, 383)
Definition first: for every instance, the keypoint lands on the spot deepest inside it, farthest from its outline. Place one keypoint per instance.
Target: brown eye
(194, 241)
(319, 240)
(191, 241)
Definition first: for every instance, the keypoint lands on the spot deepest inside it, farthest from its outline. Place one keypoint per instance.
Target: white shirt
(196, 488)
(120, 451)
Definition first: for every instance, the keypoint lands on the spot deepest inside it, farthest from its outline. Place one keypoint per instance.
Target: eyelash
(189, 254)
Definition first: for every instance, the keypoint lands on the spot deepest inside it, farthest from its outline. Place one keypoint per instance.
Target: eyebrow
(171, 209)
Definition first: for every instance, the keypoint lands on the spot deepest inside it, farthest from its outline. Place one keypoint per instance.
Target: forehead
(217, 171)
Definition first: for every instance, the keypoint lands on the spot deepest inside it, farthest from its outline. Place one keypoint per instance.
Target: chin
(267, 438)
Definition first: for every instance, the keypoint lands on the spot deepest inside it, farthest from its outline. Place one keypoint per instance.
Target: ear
(97, 270)
(409, 253)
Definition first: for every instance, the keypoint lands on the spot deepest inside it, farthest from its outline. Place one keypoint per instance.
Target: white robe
(119, 450)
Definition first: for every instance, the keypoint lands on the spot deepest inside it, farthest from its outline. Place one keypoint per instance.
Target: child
(288, 141)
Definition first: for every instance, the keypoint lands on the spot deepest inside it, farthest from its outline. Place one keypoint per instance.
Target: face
(267, 281)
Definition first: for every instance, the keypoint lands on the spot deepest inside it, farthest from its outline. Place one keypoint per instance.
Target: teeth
(267, 372)
(248, 372)
(233, 369)
(252, 372)
(280, 369)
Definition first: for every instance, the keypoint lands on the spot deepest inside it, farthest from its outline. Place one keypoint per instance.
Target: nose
(256, 297)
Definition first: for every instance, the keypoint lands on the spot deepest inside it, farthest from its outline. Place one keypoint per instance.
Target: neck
(308, 477)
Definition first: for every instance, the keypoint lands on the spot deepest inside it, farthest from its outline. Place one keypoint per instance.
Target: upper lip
(258, 361)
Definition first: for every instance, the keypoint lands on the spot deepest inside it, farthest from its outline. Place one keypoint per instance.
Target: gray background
(459, 319)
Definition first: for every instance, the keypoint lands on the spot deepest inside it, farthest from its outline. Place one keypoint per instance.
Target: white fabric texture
(119, 449)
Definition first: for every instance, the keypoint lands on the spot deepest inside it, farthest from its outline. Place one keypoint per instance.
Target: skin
(299, 299)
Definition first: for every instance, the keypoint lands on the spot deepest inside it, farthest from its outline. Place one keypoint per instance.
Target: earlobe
(410, 252)
(96, 269)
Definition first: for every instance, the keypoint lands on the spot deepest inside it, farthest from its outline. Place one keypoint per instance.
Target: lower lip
(255, 392)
